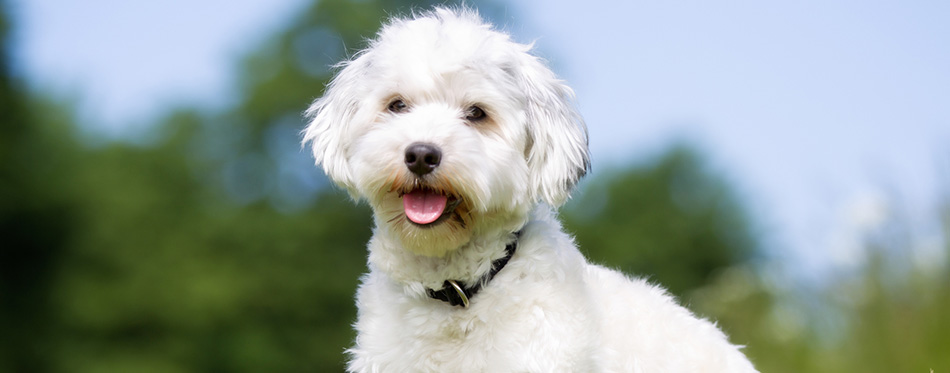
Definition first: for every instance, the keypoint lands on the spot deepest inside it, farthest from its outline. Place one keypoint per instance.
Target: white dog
(463, 144)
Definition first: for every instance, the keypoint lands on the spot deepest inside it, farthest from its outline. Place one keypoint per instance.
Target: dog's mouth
(427, 207)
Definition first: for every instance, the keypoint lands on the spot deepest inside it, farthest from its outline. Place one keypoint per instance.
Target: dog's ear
(331, 120)
(557, 152)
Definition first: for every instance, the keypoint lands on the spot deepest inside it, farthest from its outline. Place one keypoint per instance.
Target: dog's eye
(475, 114)
(397, 106)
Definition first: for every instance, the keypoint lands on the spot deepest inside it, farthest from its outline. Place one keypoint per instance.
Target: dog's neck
(459, 294)
(468, 264)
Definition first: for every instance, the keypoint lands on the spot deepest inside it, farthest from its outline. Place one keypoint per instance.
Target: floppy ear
(331, 119)
(557, 137)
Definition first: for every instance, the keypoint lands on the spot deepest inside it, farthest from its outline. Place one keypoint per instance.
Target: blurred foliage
(886, 315)
(679, 220)
(220, 247)
(35, 220)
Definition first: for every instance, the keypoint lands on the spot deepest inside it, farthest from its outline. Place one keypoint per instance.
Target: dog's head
(445, 126)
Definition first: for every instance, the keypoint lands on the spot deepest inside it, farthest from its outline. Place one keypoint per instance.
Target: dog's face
(446, 127)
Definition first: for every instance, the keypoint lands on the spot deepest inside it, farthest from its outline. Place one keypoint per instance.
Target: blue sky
(826, 115)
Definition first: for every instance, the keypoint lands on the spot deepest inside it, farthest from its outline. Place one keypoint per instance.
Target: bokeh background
(781, 168)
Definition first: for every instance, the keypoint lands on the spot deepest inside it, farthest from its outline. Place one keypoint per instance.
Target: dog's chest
(463, 342)
(505, 336)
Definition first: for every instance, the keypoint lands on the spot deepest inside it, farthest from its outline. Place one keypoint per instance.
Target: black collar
(457, 294)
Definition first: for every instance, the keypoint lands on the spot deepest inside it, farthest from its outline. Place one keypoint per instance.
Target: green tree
(672, 220)
(35, 218)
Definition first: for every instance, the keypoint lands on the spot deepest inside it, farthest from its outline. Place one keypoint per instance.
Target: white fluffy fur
(548, 310)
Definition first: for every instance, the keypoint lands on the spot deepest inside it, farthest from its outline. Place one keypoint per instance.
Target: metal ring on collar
(461, 293)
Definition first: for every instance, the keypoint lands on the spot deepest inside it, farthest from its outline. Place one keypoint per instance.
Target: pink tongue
(423, 207)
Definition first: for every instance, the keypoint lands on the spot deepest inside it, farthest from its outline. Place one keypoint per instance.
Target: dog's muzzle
(426, 206)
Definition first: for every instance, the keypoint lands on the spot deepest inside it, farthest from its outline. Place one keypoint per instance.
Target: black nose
(422, 158)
